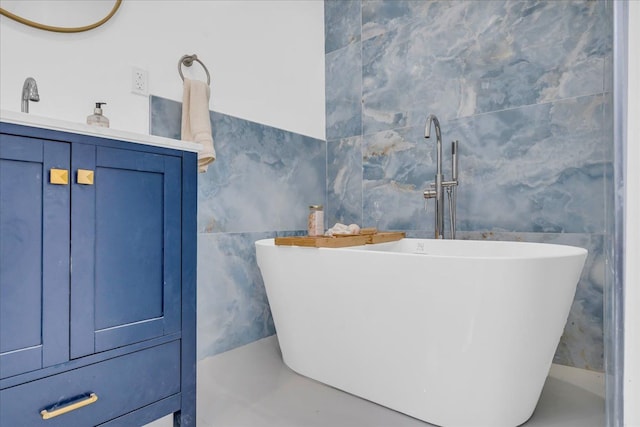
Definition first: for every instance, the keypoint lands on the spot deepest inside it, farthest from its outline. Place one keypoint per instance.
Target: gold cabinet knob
(85, 177)
(58, 176)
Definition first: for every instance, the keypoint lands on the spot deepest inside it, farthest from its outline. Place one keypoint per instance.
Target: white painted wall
(632, 228)
(266, 60)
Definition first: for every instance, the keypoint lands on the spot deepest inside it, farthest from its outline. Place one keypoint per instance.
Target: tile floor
(251, 387)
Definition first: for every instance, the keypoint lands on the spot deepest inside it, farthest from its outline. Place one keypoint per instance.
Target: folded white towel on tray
(343, 229)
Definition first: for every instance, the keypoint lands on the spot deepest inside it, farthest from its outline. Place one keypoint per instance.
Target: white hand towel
(196, 124)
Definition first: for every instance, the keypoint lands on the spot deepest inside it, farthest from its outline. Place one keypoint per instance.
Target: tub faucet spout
(29, 93)
(436, 188)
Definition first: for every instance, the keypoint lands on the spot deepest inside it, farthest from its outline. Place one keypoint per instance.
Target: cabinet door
(125, 252)
(34, 255)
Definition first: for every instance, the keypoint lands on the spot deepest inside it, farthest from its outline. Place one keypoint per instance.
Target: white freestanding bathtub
(452, 332)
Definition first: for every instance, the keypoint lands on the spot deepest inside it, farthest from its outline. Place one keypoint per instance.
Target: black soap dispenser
(97, 119)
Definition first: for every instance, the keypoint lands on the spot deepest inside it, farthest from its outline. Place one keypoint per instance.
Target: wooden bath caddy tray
(341, 241)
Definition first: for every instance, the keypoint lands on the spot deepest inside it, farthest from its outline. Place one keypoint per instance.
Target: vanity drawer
(121, 385)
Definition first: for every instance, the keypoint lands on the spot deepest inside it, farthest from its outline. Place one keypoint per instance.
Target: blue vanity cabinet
(125, 251)
(34, 243)
(97, 280)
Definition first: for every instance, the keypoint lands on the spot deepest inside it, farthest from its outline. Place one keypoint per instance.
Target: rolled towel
(343, 229)
(355, 228)
(196, 123)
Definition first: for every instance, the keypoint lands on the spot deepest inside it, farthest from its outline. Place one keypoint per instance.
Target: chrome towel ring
(187, 61)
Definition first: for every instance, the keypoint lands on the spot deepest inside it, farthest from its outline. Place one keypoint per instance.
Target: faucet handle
(430, 193)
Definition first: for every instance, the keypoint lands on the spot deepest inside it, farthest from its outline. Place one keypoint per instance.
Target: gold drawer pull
(59, 176)
(72, 407)
(85, 177)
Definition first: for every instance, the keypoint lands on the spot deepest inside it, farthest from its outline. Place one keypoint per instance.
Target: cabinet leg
(184, 419)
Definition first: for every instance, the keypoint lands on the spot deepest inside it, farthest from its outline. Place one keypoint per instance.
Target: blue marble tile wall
(525, 86)
(260, 186)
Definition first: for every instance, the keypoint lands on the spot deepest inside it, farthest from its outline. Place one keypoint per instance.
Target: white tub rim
(555, 250)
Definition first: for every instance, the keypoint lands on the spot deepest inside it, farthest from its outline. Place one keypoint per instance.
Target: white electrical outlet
(139, 81)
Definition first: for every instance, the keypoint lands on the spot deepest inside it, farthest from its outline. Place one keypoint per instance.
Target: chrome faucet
(436, 190)
(29, 93)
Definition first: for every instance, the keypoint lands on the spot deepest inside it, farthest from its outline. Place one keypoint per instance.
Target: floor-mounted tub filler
(456, 333)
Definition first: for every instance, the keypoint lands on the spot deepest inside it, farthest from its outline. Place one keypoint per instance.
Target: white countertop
(83, 129)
